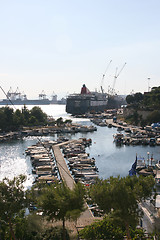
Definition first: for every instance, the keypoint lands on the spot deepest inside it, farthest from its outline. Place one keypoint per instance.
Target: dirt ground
(74, 227)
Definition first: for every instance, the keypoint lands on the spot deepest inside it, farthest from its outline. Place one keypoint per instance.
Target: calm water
(110, 160)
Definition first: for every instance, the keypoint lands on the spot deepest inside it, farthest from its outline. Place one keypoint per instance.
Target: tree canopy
(104, 229)
(11, 120)
(148, 100)
(61, 203)
(12, 200)
(120, 197)
(135, 98)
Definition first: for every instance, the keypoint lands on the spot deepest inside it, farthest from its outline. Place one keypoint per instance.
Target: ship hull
(83, 104)
(25, 102)
(31, 102)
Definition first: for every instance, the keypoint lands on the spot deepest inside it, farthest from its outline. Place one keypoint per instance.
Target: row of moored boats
(82, 167)
(44, 165)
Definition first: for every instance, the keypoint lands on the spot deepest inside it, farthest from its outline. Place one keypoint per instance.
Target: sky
(59, 45)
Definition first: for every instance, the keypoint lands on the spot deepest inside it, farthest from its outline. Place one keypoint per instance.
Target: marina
(48, 163)
(98, 157)
(111, 160)
(79, 120)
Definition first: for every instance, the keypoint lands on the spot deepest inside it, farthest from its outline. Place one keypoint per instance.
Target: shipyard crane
(17, 93)
(42, 95)
(115, 78)
(10, 93)
(23, 96)
(13, 95)
(104, 76)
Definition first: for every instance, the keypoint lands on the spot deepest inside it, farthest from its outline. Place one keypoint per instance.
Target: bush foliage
(11, 120)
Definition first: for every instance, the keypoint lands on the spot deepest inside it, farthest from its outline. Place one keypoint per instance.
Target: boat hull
(82, 105)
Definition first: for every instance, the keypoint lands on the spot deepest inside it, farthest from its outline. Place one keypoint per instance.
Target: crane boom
(121, 70)
(116, 76)
(104, 75)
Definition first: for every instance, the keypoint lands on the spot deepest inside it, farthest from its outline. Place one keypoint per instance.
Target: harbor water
(110, 159)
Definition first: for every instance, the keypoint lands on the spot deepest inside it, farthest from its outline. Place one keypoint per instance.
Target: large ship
(86, 101)
(18, 98)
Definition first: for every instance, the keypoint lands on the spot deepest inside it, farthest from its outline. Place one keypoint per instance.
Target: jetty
(62, 166)
(67, 177)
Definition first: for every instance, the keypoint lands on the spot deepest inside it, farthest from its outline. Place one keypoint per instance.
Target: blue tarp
(153, 125)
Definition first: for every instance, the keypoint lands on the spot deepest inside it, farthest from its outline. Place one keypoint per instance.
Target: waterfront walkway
(66, 176)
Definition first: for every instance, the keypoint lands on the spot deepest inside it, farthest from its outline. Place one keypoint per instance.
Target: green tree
(130, 99)
(2, 119)
(39, 115)
(120, 197)
(28, 227)
(138, 97)
(104, 229)
(9, 117)
(61, 203)
(26, 115)
(135, 98)
(12, 201)
(59, 121)
(33, 121)
(17, 119)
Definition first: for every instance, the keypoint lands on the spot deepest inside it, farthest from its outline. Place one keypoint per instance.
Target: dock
(62, 166)
(67, 177)
(117, 125)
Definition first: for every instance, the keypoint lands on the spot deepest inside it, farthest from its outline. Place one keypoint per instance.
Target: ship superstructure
(86, 101)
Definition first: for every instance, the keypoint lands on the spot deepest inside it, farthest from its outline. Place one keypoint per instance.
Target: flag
(133, 169)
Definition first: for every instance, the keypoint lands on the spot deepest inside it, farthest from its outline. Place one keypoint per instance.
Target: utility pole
(148, 84)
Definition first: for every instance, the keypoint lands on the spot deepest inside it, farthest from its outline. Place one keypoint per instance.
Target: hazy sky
(57, 45)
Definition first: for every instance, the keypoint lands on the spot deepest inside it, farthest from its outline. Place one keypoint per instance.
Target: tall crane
(115, 78)
(104, 76)
(42, 95)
